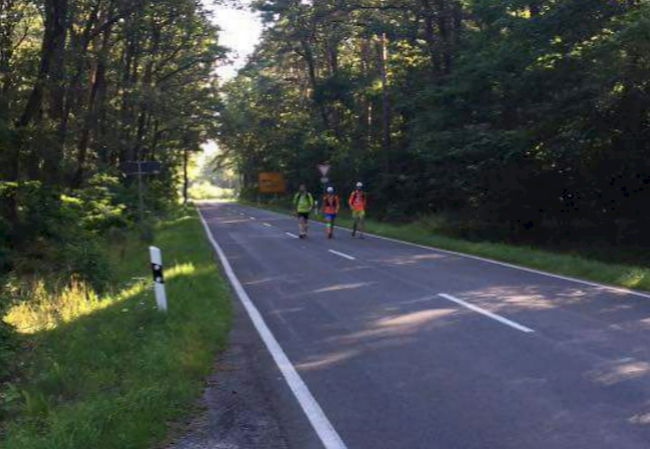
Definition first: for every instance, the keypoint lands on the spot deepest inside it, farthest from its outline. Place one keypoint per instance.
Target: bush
(58, 234)
(207, 191)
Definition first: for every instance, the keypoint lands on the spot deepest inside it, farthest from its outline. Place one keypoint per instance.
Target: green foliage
(510, 114)
(59, 234)
(207, 191)
(109, 371)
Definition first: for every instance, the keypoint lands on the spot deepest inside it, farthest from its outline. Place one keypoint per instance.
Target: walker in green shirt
(304, 202)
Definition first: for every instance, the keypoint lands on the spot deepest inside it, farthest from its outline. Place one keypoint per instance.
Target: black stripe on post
(157, 271)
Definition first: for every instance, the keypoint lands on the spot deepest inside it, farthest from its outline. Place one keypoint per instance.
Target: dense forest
(527, 119)
(85, 86)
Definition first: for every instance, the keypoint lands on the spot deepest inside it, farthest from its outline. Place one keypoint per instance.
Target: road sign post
(140, 168)
(158, 278)
(324, 169)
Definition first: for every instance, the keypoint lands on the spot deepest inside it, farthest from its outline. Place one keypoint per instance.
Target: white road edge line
(494, 316)
(293, 236)
(610, 288)
(323, 427)
(342, 255)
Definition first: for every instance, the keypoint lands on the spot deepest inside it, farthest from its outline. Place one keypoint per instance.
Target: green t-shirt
(304, 202)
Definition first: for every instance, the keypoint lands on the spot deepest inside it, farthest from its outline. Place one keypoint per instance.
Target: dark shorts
(330, 216)
(304, 215)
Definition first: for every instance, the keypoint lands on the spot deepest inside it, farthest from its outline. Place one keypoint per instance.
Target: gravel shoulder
(246, 403)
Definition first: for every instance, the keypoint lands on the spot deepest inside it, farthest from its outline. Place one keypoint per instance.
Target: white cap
(359, 185)
(330, 190)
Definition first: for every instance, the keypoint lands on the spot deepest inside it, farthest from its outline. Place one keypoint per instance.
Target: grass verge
(574, 265)
(111, 372)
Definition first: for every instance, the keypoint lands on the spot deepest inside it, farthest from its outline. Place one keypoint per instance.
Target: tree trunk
(53, 39)
(313, 80)
(147, 83)
(186, 180)
(53, 158)
(382, 61)
(97, 86)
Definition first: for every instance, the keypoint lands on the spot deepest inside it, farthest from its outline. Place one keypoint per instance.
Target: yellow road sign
(271, 182)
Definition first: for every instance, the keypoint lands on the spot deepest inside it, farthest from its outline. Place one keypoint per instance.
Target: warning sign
(271, 182)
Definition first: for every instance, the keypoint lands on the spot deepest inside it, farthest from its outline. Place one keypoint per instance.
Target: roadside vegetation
(618, 267)
(86, 87)
(521, 121)
(207, 191)
(106, 369)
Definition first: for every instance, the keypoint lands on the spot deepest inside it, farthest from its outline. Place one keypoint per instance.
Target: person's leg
(362, 223)
(355, 222)
(329, 229)
(328, 225)
(300, 224)
(305, 224)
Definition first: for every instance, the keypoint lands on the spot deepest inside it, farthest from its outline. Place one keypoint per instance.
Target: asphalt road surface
(390, 345)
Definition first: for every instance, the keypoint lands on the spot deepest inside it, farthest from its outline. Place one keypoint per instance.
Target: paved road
(406, 347)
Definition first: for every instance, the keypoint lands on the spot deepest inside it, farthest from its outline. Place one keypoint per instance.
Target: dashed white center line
(294, 236)
(267, 225)
(494, 316)
(253, 218)
(346, 256)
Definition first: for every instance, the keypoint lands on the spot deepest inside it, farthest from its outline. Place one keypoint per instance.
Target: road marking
(294, 236)
(342, 255)
(494, 316)
(267, 225)
(610, 288)
(253, 218)
(323, 427)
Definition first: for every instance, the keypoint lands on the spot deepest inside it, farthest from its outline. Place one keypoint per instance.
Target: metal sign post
(158, 278)
(140, 168)
(324, 169)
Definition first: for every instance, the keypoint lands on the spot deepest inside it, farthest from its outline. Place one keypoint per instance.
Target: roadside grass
(422, 231)
(110, 371)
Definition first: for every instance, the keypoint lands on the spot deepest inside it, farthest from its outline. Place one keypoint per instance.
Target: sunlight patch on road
(620, 371)
(411, 321)
(327, 360)
(340, 287)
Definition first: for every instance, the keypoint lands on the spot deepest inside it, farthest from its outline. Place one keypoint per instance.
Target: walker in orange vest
(357, 202)
(330, 209)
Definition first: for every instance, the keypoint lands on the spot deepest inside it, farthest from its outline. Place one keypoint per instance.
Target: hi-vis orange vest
(331, 204)
(357, 200)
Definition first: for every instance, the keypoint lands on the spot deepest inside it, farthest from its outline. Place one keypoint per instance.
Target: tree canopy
(85, 86)
(525, 114)
(90, 84)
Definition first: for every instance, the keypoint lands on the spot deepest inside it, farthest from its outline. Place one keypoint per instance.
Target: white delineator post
(158, 278)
